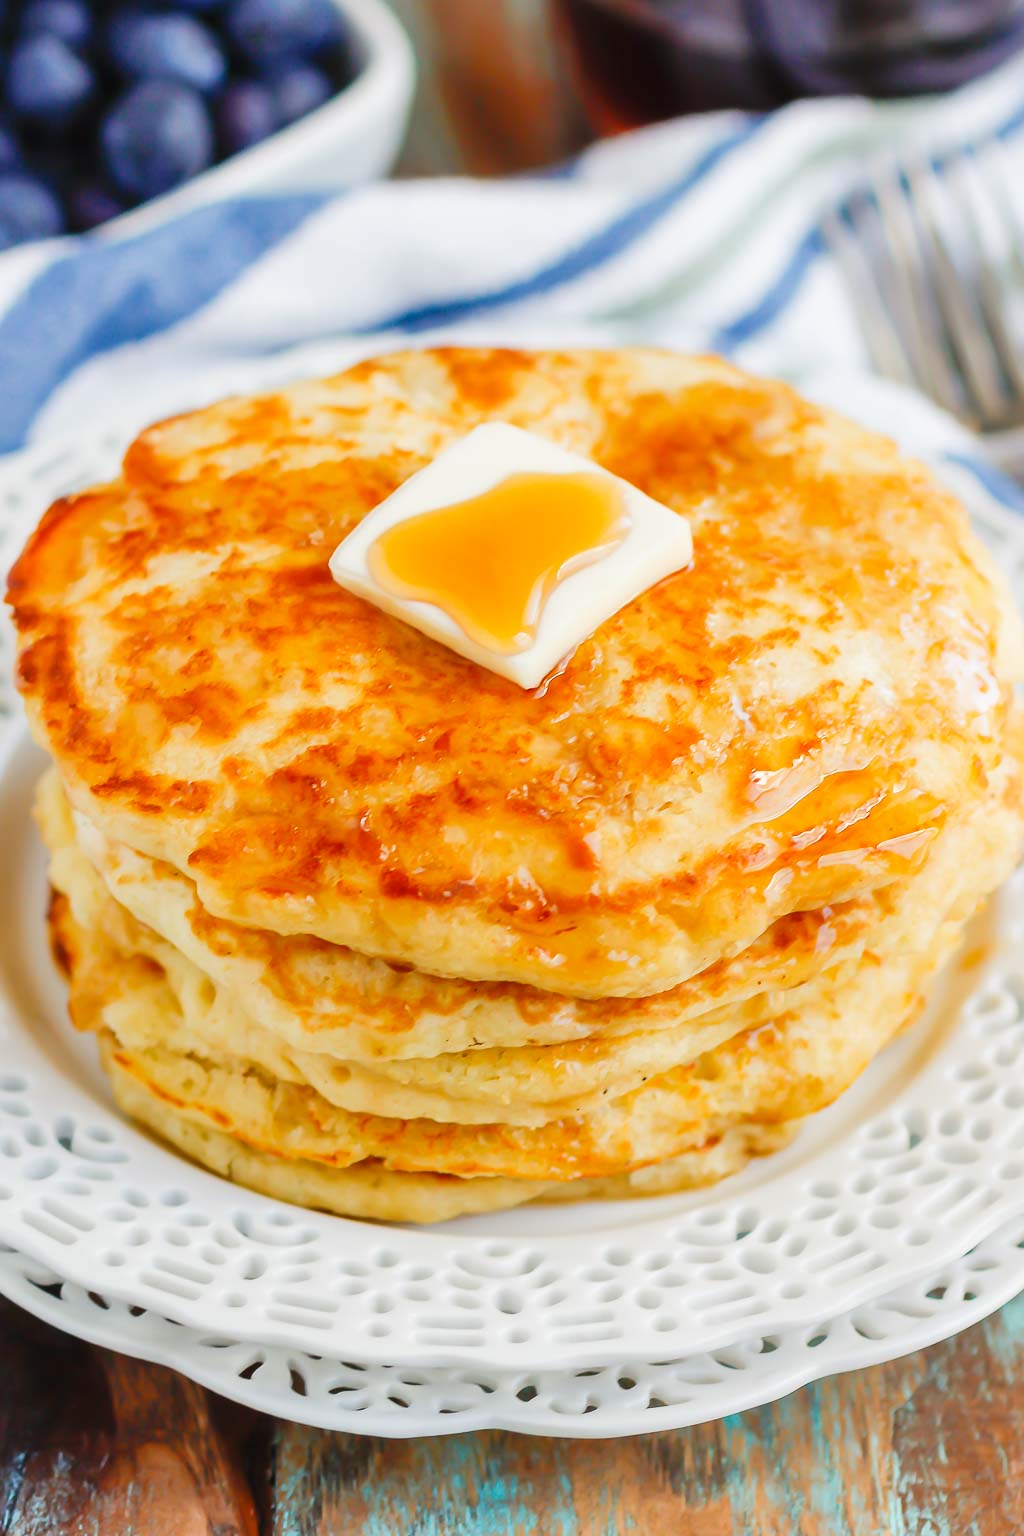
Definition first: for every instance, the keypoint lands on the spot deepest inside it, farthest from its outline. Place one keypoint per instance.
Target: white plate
(585, 1404)
(923, 1158)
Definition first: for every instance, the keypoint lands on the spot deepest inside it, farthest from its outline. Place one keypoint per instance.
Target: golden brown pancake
(534, 1084)
(325, 999)
(780, 1072)
(365, 1188)
(370, 1191)
(787, 725)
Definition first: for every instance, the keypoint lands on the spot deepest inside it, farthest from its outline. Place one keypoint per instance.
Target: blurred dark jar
(641, 60)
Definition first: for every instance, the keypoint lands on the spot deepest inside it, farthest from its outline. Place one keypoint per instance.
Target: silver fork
(932, 251)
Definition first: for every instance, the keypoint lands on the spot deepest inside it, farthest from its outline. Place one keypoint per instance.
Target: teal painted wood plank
(958, 1442)
(326, 1483)
(928, 1446)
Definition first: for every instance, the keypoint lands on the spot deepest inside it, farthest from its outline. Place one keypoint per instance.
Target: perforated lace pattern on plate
(615, 1399)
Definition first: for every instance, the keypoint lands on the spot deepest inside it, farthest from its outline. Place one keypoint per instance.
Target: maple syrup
(491, 561)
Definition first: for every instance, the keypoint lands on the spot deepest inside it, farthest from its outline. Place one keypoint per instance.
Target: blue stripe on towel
(998, 485)
(106, 294)
(592, 252)
(777, 298)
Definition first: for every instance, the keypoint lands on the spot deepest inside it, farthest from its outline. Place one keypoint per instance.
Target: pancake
(322, 998)
(780, 1072)
(548, 1084)
(790, 724)
(369, 1191)
(528, 1085)
(327, 998)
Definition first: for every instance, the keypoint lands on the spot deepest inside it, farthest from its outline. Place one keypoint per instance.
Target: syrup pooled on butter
(511, 551)
(492, 561)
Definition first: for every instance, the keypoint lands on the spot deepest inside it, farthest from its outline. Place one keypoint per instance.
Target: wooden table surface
(94, 1444)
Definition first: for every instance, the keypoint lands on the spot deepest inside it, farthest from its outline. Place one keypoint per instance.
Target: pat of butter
(574, 555)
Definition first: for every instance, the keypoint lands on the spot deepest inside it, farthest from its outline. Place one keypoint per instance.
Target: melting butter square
(652, 542)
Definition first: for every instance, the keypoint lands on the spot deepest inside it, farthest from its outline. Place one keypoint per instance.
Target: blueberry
(155, 137)
(91, 204)
(151, 47)
(297, 89)
(46, 82)
(28, 210)
(246, 113)
(70, 20)
(268, 32)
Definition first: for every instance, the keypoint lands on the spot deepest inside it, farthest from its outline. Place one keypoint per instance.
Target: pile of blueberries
(106, 103)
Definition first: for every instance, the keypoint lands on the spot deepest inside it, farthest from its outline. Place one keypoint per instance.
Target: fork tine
(968, 334)
(933, 255)
(884, 346)
(906, 260)
(987, 194)
(996, 162)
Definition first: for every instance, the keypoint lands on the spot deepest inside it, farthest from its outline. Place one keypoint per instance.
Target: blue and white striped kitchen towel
(701, 234)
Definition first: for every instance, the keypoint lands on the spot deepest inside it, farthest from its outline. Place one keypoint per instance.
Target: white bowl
(354, 137)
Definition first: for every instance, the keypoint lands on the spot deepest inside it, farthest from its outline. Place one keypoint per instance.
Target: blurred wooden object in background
(494, 95)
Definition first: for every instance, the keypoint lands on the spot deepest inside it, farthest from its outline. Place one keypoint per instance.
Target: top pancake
(787, 724)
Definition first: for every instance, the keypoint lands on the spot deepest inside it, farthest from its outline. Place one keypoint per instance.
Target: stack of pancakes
(365, 926)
